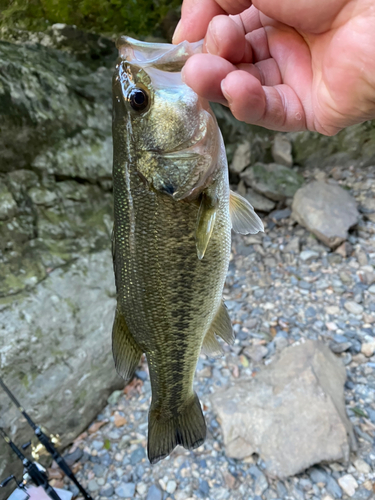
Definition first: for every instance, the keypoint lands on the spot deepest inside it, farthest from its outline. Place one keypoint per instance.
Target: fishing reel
(21, 485)
(37, 448)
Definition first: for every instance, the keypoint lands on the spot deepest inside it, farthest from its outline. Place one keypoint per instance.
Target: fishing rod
(37, 476)
(45, 441)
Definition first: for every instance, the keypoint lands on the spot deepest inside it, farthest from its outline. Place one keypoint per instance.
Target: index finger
(196, 15)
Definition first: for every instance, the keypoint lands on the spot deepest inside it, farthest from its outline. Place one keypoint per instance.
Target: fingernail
(225, 93)
(176, 31)
(183, 74)
(211, 40)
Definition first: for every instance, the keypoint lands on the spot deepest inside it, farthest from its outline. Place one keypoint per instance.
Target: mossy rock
(274, 181)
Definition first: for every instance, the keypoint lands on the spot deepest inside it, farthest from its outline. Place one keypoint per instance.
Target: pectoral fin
(244, 219)
(222, 327)
(126, 352)
(205, 225)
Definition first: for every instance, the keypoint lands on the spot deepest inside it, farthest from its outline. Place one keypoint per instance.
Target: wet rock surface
(283, 288)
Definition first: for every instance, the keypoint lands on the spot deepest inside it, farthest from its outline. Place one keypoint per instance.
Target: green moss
(137, 17)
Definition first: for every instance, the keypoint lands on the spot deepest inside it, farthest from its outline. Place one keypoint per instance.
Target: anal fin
(205, 224)
(126, 352)
(244, 219)
(222, 327)
(187, 428)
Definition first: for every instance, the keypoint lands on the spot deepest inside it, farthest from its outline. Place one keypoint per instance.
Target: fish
(171, 243)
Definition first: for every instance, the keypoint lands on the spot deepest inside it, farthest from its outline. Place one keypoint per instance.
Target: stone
(114, 397)
(353, 307)
(282, 150)
(154, 493)
(137, 455)
(260, 481)
(292, 413)
(258, 201)
(241, 158)
(274, 181)
(307, 255)
(327, 210)
(72, 458)
(368, 349)
(107, 491)
(277, 215)
(333, 488)
(256, 352)
(348, 484)
(171, 487)
(362, 466)
(125, 490)
(93, 485)
(120, 421)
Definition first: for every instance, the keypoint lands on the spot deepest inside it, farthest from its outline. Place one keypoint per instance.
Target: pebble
(368, 349)
(125, 490)
(93, 485)
(348, 484)
(353, 307)
(107, 491)
(362, 466)
(137, 455)
(307, 255)
(154, 493)
(171, 487)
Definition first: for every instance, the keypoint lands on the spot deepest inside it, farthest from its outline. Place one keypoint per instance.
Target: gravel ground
(282, 286)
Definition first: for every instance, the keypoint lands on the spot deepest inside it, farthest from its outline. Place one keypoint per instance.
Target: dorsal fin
(244, 219)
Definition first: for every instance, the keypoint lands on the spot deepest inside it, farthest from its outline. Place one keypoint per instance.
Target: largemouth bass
(172, 235)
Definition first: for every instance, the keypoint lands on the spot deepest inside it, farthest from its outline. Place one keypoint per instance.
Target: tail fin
(187, 429)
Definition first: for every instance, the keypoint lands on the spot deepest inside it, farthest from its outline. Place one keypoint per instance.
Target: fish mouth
(165, 56)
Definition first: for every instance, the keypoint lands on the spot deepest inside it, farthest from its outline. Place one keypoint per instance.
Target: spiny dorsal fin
(205, 225)
(126, 352)
(244, 219)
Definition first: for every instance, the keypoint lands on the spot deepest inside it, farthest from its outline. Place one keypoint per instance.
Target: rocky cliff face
(57, 293)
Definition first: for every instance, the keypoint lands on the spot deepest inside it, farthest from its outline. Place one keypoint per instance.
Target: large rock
(57, 295)
(327, 210)
(292, 413)
(274, 181)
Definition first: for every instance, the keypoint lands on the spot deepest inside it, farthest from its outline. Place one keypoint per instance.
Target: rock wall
(57, 294)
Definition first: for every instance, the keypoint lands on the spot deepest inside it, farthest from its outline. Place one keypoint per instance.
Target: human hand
(285, 65)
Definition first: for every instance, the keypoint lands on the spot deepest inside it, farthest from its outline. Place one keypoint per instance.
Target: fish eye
(138, 99)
